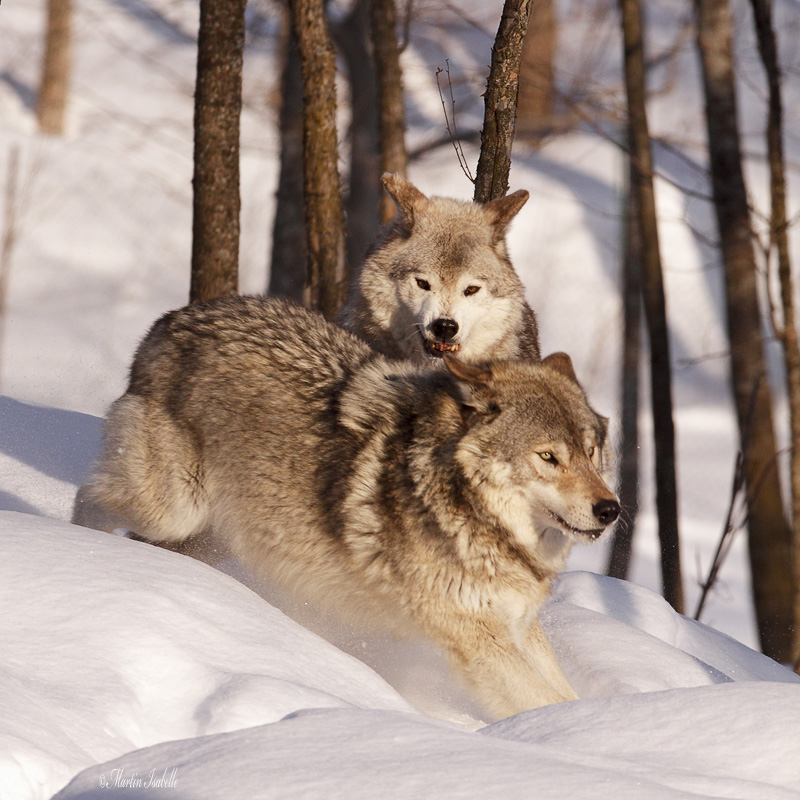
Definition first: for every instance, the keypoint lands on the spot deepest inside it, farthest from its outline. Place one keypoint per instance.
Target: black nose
(606, 511)
(444, 328)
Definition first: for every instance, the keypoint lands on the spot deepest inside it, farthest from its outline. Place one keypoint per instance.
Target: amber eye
(548, 457)
(471, 290)
(590, 452)
(423, 284)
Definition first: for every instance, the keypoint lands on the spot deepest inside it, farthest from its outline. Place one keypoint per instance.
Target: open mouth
(437, 349)
(591, 533)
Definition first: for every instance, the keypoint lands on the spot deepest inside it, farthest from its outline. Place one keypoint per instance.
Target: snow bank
(613, 637)
(628, 747)
(123, 660)
(113, 645)
(45, 453)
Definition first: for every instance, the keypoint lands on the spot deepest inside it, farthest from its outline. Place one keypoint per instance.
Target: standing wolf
(440, 502)
(440, 281)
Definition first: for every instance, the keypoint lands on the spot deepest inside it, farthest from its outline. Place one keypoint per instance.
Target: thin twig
(747, 491)
(726, 540)
(453, 133)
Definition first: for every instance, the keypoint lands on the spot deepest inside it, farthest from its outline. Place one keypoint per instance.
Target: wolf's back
(239, 337)
(239, 386)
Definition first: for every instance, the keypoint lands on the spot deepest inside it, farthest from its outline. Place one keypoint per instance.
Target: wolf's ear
(561, 363)
(504, 209)
(475, 390)
(406, 197)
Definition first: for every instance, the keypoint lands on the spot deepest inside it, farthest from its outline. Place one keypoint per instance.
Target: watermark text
(119, 778)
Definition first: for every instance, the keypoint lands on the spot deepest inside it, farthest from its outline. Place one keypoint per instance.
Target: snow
(150, 646)
(121, 660)
(596, 751)
(126, 660)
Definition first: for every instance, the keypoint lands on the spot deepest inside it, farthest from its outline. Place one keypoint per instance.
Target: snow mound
(613, 637)
(150, 675)
(118, 645)
(626, 747)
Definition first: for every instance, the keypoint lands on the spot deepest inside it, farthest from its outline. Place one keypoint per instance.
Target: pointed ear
(561, 363)
(504, 209)
(407, 198)
(474, 386)
(472, 374)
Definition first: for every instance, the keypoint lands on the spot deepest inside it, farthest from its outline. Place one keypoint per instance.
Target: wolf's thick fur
(439, 280)
(432, 501)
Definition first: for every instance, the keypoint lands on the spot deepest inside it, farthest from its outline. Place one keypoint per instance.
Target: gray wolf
(439, 280)
(439, 502)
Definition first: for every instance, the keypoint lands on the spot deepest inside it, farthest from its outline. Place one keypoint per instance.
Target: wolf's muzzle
(444, 328)
(606, 511)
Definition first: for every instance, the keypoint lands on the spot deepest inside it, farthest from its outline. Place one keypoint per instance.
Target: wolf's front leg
(538, 650)
(504, 678)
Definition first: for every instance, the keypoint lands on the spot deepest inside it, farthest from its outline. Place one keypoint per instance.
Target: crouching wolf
(439, 280)
(439, 502)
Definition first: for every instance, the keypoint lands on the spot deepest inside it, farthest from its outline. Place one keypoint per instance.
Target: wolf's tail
(149, 478)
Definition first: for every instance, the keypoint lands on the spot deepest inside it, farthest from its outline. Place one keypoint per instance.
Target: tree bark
(325, 276)
(497, 136)
(536, 74)
(769, 535)
(392, 124)
(56, 69)
(287, 274)
(779, 242)
(654, 303)
(217, 111)
(621, 547)
(362, 200)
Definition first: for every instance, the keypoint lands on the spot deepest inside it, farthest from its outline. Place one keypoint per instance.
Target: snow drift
(132, 666)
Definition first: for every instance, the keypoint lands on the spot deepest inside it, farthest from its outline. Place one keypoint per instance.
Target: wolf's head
(534, 450)
(440, 281)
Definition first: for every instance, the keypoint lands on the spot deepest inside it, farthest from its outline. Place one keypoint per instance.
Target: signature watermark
(120, 779)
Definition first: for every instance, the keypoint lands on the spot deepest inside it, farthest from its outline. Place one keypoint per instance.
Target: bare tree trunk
(497, 136)
(621, 547)
(325, 276)
(779, 241)
(363, 198)
(654, 303)
(392, 127)
(57, 66)
(287, 274)
(769, 534)
(217, 110)
(536, 76)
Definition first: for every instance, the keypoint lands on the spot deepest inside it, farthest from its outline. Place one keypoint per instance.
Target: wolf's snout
(444, 328)
(606, 511)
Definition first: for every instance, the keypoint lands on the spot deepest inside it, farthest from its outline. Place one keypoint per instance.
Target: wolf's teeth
(440, 347)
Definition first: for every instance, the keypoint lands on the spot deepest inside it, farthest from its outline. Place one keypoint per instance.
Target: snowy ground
(119, 659)
(123, 661)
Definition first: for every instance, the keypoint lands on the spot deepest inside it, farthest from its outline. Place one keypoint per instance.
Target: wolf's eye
(423, 284)
(547, 456)
(590, 452)
(471, 290)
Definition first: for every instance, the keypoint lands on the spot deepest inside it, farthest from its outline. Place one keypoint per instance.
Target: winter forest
(156, 153)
